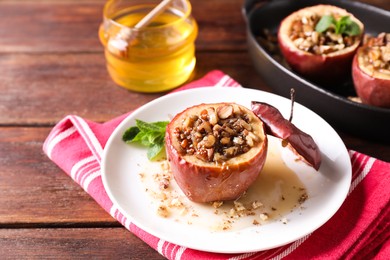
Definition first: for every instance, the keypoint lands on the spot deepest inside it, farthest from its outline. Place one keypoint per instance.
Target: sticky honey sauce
(156, 58)
(277, 187)
(275, 193)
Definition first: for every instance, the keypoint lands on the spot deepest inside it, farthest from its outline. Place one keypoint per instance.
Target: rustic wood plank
(41, 89)
(49, 26)
(34, 191)
(72, 26)
(71, 243)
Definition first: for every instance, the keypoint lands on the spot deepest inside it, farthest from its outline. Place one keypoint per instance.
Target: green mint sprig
(342, 26)
(150, 135)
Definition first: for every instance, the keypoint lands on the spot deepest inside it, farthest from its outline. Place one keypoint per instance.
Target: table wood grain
(52, 65)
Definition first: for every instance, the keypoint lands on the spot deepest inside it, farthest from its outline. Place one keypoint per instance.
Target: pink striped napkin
(360, 229)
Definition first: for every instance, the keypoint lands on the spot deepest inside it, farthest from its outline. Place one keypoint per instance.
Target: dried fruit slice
(371, 71)
(216, 151)
(276, 125)
(324, 54)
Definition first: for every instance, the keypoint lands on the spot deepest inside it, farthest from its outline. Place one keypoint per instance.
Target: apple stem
(292, 96)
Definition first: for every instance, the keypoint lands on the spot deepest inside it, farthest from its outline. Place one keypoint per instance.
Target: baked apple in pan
(371, 71)
(319, 42)
(216, 151)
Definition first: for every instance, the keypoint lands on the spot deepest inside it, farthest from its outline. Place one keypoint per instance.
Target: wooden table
(52, 65)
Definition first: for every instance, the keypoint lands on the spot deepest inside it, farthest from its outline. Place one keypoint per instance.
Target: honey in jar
(154, 58)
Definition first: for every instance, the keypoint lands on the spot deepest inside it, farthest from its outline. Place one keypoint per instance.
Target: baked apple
(319, 42)
(216, 151)
(371, 71)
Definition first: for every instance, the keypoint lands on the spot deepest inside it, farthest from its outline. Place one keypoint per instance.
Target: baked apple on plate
(216, 151)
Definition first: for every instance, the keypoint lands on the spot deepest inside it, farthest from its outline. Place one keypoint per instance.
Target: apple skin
(208, 182)
(327, 68)
(319, 68)
(276, 125)
(373, 91)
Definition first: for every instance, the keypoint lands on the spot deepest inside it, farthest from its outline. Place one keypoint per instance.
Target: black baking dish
(332, 104)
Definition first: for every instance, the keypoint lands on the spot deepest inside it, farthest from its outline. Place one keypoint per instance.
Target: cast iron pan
(330, 102)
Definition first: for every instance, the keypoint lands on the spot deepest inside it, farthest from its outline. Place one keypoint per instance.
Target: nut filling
(377, 53)
(216, 134)
(306, 38)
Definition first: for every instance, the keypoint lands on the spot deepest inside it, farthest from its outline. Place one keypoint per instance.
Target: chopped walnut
(217, 204)
(377, 53)
(264, 216)
(216, 134)
(238, 206)
(175, 202)
(256, 204)
(163, 211)
(303, 198)
(164, 183)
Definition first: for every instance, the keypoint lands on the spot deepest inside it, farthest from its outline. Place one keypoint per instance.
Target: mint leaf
(155, 151)
(341, 24)
(150, 135)
(352, 28)
(130, 134)
(325, 23)
(145, 139)
(151, 138)
(345, 25)
(151, 127)
(161, 124)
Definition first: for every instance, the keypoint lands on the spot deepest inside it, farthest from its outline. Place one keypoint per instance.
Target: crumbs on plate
(170, 202)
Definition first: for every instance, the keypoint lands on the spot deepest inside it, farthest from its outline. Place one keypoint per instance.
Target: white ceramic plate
(327, 189)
